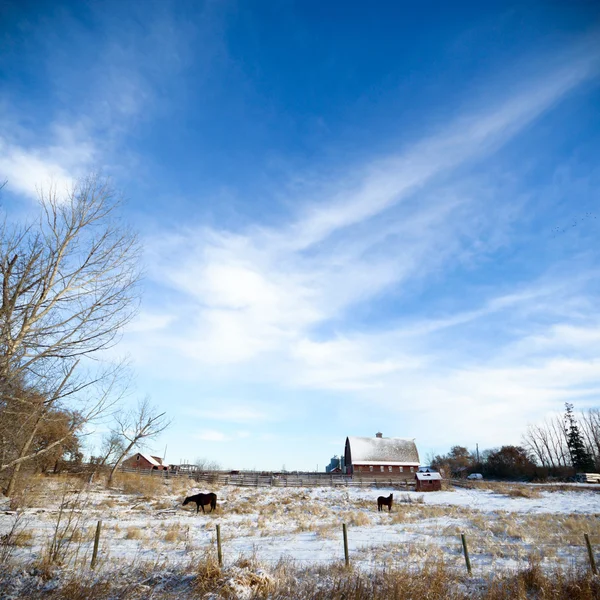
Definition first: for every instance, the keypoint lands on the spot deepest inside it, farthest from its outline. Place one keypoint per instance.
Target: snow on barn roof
(380, 450)
(150, 459)
(428, 476)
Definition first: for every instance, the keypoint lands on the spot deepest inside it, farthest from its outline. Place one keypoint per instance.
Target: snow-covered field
(503, 526)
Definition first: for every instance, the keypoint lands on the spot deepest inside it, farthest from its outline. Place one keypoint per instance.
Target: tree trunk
(118, 463)
(12, 482)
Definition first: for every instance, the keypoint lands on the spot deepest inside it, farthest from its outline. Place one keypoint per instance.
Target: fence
(400, 556)
(251, 479)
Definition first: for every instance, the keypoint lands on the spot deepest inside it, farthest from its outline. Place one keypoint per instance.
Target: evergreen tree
(580, 457)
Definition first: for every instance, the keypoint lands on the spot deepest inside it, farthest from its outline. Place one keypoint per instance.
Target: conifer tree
(580, 457)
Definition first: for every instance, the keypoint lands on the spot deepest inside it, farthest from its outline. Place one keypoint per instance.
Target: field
(275, 534)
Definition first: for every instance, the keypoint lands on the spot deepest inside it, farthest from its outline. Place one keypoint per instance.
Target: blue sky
(356, 218)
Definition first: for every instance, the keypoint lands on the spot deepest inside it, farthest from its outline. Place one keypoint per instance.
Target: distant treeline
(558, 448)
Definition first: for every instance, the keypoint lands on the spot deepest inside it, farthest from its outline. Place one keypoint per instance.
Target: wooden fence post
(346, 557)
(219, 553)
(590, 554)
(466, 551)
(96, 544)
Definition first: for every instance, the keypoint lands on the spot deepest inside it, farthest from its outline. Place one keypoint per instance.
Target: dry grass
(512, 490)
(36, 491)
(134, 533)
(175, 533)
(208, 575)
(16, 536)
(357, 519)
(23, 538)
(145, 485)
(407, 498)
(247, 578)
(523, 492)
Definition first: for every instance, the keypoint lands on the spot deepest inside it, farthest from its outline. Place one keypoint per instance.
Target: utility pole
(477, 446)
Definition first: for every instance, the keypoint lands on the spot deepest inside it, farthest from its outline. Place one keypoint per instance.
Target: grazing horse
(383, 501)
(201, 500)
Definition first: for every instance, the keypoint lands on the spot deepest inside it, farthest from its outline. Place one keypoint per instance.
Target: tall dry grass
(247, 578)
(148, 486)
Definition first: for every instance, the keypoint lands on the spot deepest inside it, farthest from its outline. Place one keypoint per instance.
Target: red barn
(145, 461)
(381, 457)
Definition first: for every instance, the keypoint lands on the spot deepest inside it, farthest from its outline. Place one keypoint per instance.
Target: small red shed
(428, 482)
(145, 462)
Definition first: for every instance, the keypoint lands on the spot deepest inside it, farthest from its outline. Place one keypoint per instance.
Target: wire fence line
(477, 552)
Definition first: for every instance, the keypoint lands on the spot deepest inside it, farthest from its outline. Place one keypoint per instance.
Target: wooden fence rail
(278, 480)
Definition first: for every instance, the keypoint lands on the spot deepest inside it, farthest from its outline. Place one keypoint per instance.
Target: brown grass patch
(149, 486)
(134, 533)
(248, 578)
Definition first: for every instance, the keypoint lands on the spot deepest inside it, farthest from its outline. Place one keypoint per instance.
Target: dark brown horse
(383, 501)
(202, 500)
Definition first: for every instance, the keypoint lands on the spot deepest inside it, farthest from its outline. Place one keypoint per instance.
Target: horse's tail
(213, 502)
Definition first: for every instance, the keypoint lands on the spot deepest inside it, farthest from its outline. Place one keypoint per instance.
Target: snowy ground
(304, 525)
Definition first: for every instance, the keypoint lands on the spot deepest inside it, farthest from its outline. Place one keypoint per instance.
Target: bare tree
(547, 442)
(135, 428)
(590, 428)
(535, 440)
(204, 464)
(68, 286)
(113, 447)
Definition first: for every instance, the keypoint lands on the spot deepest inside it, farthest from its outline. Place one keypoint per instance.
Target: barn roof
(380, 450)
(150, 459)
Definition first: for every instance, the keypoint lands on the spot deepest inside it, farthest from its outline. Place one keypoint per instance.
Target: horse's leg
(202, 505)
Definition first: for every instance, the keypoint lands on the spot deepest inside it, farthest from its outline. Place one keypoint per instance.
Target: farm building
(428, 482)
(336, 465)
(381, 457)
(144, 461)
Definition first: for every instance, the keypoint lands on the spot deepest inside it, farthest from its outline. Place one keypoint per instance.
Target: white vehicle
(588, 477)
(477, 476)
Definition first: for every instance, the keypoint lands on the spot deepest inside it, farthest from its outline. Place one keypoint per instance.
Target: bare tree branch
(68, 285)
(136, 427)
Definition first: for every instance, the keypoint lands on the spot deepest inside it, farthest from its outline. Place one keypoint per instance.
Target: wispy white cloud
(28, 167)
(91, 108)
(392, 179)
(213, 435)
(234, 413)
(277, 305)
(210, 435)
(266, 292)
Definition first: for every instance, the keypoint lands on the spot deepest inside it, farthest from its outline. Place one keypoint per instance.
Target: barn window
(401, 469)
(412, 469)
(370, 468)
(382, 468)
(390, 469)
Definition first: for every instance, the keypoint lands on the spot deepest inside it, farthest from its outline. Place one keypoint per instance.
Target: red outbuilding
(428, 482)
(145, 462)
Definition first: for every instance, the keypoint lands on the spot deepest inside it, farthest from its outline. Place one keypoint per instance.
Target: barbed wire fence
(375, 550)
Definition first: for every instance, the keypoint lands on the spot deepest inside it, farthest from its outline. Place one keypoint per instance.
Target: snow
(392, 451)
(305, 525)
